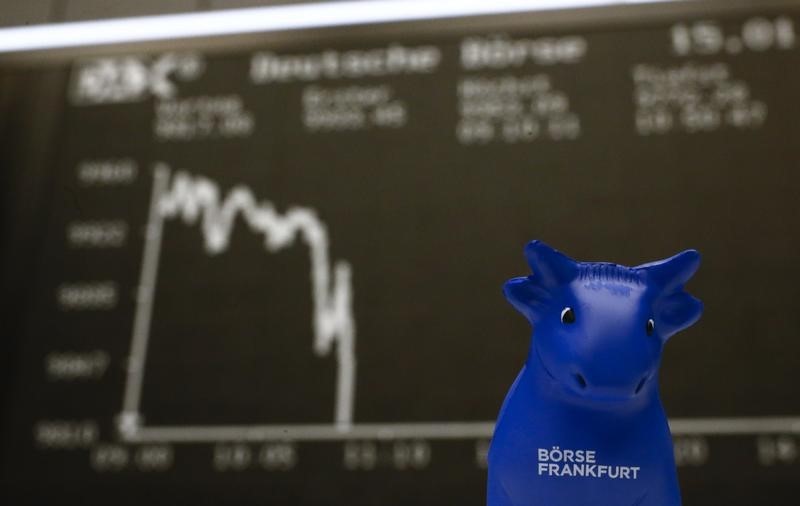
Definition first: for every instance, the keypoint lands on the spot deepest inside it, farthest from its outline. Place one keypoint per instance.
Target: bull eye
(567, 315)
(650, 327)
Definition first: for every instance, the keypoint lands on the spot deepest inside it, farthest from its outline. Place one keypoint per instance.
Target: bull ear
(527, 296)
(676, 312)
(672, 273)
(550, 267)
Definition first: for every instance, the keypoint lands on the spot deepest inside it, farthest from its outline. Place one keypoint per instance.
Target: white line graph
(197, 199)
(455, 430)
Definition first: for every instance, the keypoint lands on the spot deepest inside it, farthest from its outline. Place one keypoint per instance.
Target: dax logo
(132, 78)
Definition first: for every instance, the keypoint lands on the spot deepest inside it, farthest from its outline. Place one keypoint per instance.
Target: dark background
(432, 229)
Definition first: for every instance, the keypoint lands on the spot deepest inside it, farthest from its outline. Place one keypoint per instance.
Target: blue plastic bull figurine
(583, 424)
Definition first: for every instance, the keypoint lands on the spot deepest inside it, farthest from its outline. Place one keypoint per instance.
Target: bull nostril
(580, 380)
(640, 385)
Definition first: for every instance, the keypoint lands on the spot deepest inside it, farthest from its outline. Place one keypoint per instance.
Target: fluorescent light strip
(267, 19)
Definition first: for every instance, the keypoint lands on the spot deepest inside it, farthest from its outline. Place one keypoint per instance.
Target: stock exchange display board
(270, 274)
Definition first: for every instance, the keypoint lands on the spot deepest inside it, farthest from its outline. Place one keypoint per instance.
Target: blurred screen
(269, 273)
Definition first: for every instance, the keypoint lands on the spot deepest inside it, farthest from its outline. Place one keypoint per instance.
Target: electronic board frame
(23, 213)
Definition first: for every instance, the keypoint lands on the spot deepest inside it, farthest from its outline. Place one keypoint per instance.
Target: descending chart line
(197, 199)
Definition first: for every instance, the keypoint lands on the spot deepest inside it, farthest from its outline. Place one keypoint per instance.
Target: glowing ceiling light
(268, 19)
